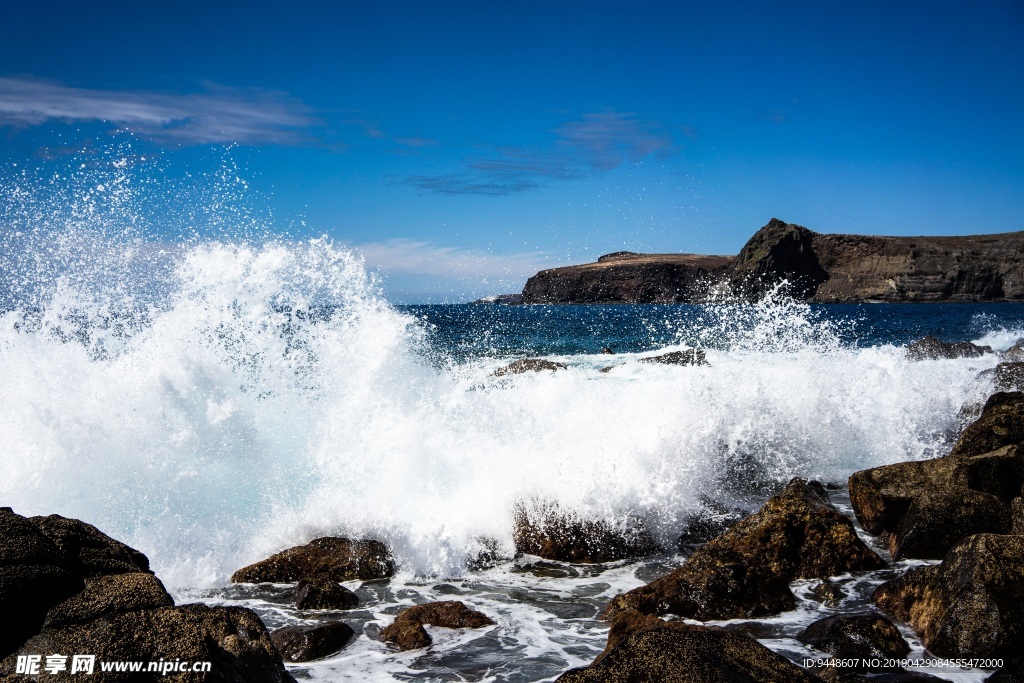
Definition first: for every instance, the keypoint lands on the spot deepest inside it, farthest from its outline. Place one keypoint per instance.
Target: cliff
(818, 267)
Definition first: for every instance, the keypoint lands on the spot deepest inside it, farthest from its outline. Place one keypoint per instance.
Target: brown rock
(90, 552)
(306, 643)
(518, 367)
(1001, 424)
(687, 357)
(971, 605)
(1005, 376)
(110, 594)
(329, 558)
(233, 639)
(545, 530)
(320, 594)
(407, 631)
(697, 655)
(746, 571)
(1017, 516)
(625, 624)
(857, 638)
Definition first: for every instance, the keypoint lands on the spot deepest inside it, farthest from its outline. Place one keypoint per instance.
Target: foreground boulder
(329, 559)
(518, 367)
(545, 530)
(970, 605)
(306, 643)
(320, 594)
(691, 655)
(687, 357)
(930, 348)
(407, 631)
(746, 571)
(67, 588)
(924, 508)
(858, 638)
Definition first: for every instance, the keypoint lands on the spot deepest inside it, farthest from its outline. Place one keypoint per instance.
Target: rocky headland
(817, 267)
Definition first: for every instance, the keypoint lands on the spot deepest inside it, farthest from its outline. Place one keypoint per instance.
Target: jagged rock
(407, 631)
(546, 530)
(518, 367)
(110, 594)
(687, 357)
(329, 558)
(1017, 516)
(306, 643)
(930, 348)
(486, 553)
(1005, 376)
(90, 552)
(625, 624)
(862, 637)
(746, 571)
(713, 519)
(1001, 424)
(970, 605)
(321, 594)
(828, 592)
(233, 639)
(694, 655)
(1015, 352)
(779, 252)
(607, 351)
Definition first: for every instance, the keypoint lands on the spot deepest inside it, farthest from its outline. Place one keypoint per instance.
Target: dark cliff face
(625, 277)
(822, 268)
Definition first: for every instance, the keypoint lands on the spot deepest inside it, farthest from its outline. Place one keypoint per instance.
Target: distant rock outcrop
(817, 267)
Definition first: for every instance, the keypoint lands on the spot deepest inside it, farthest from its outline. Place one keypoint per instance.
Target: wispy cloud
(218, 114)
(593, 144)
(414, 257)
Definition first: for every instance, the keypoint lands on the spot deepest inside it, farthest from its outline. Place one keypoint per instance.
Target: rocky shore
(68, 588)
(818, 267)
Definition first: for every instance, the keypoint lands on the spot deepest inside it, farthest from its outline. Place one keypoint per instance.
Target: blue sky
(463, 145)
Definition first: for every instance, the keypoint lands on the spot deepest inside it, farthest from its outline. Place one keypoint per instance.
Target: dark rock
(687, 357)
(607, 350)
(970, 605)
(923, 508)
(1017, 516)
(1005, 376)
(90, 552)
(233, 639)
(625, 624)
(746, 571)
(1001, 424)
(321, 594)
(712, 520)
(518, 367)
(1012, 672)
(930, 348)
(488, 553)
(697, 655)
(407, 631)
(110, 594)
(1015, 352)
(546, 530)
(828, 592)
(329, 558)
(779, 252)
(867, 636)
(503, 299)
(629, 278)
(306, 643)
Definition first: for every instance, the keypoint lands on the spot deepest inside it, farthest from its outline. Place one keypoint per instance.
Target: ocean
(213, 403)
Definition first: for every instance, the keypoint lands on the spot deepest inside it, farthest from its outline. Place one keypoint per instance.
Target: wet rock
(233, 639)
(487, 553)
(321, 594)
(1001, 424)
(1005, 376)
(713, 519)
(746, 571)
(862, 637)
(687, 357)
(828, 592)
(1015, 352)
(630, 622)
(89, 551)
(407, 631)
(1017, 516)
(306, 643)
(697, 655)
(111, 594)
(518, 367)
(329, 558)
(930, 348)
(546, 530)
(970, 605)
(923, 508)
(607, 350)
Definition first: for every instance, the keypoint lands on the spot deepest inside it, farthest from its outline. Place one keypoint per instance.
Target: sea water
(212, 401)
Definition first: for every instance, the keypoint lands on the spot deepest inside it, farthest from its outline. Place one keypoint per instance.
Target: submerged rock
(930, 348)
(545, 530)
(859, 638)
(970, 605)
(746, 571)
(321, 594)
(306, 643)
(687, 357)
(518, 367)
(329, 558)
(407, 631)
(691, 655)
